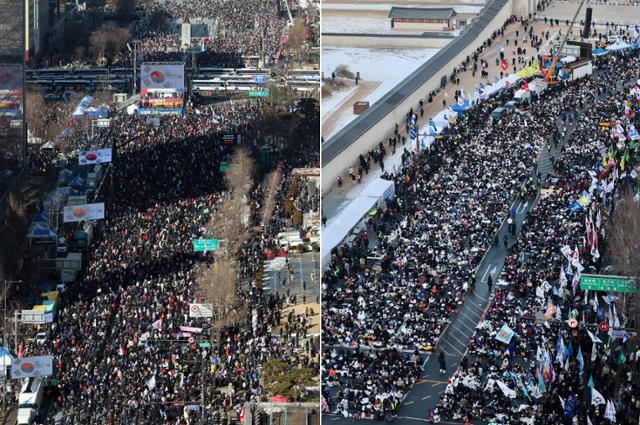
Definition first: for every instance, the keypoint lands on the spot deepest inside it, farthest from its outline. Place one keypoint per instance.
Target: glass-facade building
(13, 141)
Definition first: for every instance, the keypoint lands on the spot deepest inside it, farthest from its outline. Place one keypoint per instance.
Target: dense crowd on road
(397, 282)
(244, 28)
(120, 353)
(553, 370)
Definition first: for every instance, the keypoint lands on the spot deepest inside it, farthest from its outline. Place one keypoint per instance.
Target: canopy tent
(41, 217)
(64, 176)
(441, 119)
(538, 85)
(82, 107)
(460, 107)
(77, 182)
(48, 145)
(5, 360)
(599, 52)
(528, 72)
(40, 230)
(620, 45)
(338, 228)
(379, 189)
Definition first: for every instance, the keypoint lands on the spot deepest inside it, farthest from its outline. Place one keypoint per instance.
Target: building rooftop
(363, 122)
(422, 13)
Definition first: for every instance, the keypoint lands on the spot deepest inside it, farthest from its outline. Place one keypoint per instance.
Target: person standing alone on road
(443, 363)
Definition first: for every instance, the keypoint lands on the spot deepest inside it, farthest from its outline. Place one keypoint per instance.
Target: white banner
(97, 156)
(200, 310)
(77, 213)
(27, 367)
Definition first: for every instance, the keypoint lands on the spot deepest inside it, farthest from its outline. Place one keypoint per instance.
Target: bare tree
(272, 182)
(623, 244)
(46, 120)
(106, 43)
(219, 284)
(297, 37)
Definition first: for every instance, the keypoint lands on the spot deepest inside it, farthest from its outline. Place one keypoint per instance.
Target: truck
(29, 400)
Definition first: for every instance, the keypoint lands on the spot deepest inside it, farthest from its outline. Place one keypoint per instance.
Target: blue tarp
(598, 52)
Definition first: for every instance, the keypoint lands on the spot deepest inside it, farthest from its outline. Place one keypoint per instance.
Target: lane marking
(523, 206)
(450, 333)
(424, 398)
(408, 403)
(452, 346)
(426, 360)
(463, 324)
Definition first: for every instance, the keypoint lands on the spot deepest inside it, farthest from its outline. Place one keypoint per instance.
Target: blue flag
(570, 407)
(569, 350)
(580, 360)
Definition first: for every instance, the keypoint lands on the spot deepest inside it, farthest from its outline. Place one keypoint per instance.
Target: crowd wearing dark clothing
(553, 371)
(120, 355)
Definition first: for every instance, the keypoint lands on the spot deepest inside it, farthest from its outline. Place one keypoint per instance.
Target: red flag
(504, 65)
(525, 86)
(242, 414)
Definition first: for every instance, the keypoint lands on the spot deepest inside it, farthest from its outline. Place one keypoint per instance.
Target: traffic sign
(262, 93)
(205, 344)
(596, 282)
(224, 166)
(259, 79)
(603, 326)
(204, 245)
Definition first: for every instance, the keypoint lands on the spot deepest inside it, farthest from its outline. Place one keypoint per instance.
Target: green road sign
(204, 245)
(263, 93)
(224, 166)
(596, 282)
(204, 344)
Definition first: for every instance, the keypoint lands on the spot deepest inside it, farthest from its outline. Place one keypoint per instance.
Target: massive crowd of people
(396, 283)
(551, 372)
(244, 28)
(120, 353)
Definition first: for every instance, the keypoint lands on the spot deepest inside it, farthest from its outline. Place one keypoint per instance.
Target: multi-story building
(13, 141)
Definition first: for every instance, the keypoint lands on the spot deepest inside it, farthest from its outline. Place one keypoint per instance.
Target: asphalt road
(303, 281)
(455, 340)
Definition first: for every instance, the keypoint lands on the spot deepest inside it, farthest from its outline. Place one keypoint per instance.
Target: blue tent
(598, 52)
(77, 182)
(41, 217)
(459, 108)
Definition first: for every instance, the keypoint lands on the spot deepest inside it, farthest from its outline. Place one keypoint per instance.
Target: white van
(29, 400)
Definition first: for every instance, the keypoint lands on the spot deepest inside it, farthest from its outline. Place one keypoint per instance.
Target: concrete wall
(524, 7)
(420, 26)
(384, 41)
(383, 129)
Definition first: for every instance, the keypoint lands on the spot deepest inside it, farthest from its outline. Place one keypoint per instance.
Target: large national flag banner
(97, 156)
(76, 213)
(31, 366)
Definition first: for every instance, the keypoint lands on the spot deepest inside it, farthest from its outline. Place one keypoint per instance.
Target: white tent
(620, 45)
(568, 59)
(131, 109)
(5, 361)
(379, 189)
(338, 228)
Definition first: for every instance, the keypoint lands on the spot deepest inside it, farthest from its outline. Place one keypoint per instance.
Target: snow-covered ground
(336, 98)
(353, 24)
(389, 66)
